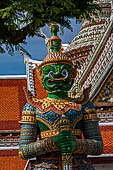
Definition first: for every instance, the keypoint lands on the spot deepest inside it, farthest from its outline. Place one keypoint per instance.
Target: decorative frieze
(105, 116)
(91, 34)
(30, 66)
(9, 141)
(103, 61)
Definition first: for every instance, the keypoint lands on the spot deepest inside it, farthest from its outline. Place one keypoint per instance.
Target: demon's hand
(65, 141)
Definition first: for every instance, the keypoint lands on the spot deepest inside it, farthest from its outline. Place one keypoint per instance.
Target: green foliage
(22, 18)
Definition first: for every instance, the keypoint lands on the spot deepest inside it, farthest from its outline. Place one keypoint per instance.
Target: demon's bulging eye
(51, 73)
(65, 73)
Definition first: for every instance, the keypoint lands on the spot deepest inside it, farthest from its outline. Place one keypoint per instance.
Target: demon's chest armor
(47, 113)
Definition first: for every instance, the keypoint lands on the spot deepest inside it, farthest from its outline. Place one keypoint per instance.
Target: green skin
(55, 43)
(54, 31)
(55, 46)
(57, 80)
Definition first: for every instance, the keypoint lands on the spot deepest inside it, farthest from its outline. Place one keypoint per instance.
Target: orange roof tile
(107, 135)
(12, 100)
(12, 163)
(9, 160)
(39, 90)
(9, 103)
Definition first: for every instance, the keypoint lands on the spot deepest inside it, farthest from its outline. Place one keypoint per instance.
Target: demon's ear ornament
(74, 72)
(76, 90)
(39, 73)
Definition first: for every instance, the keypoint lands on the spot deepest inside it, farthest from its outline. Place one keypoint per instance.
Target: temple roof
(9, 160)
(107, 136)
(12, 100)
(101, 60)
(91, 32)
(91, 49)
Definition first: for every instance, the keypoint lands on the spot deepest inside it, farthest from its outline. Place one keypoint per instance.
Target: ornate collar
(59, 106)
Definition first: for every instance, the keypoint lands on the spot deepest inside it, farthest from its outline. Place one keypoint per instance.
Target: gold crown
(56, 58)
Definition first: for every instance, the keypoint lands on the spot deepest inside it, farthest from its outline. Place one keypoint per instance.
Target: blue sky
(14, 65)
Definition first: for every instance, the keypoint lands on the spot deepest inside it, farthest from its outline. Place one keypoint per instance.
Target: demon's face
(57, 77)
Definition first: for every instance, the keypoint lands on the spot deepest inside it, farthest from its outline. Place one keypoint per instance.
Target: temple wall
(104, 166)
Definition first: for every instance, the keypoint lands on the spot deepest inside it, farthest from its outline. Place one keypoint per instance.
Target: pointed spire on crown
(54, 41)
(55, 54)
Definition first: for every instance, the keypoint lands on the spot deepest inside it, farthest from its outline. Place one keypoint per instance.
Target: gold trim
(55, 58)
(21, 155)
(49, 133)
(77, 132)
(90, 117)
(59, 106)
(28, 119)
(55, 132)
(28, 113)
(89, 110)
(54, 62)
(39, 73)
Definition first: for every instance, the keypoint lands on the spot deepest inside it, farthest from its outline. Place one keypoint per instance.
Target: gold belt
(55, 132)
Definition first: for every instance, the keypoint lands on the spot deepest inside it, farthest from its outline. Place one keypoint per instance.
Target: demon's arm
(30, 145)
(92, 143)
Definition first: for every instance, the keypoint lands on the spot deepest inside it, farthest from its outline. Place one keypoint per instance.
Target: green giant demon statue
(56, 130)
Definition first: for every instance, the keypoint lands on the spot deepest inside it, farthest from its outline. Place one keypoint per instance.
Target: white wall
(103, 166)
